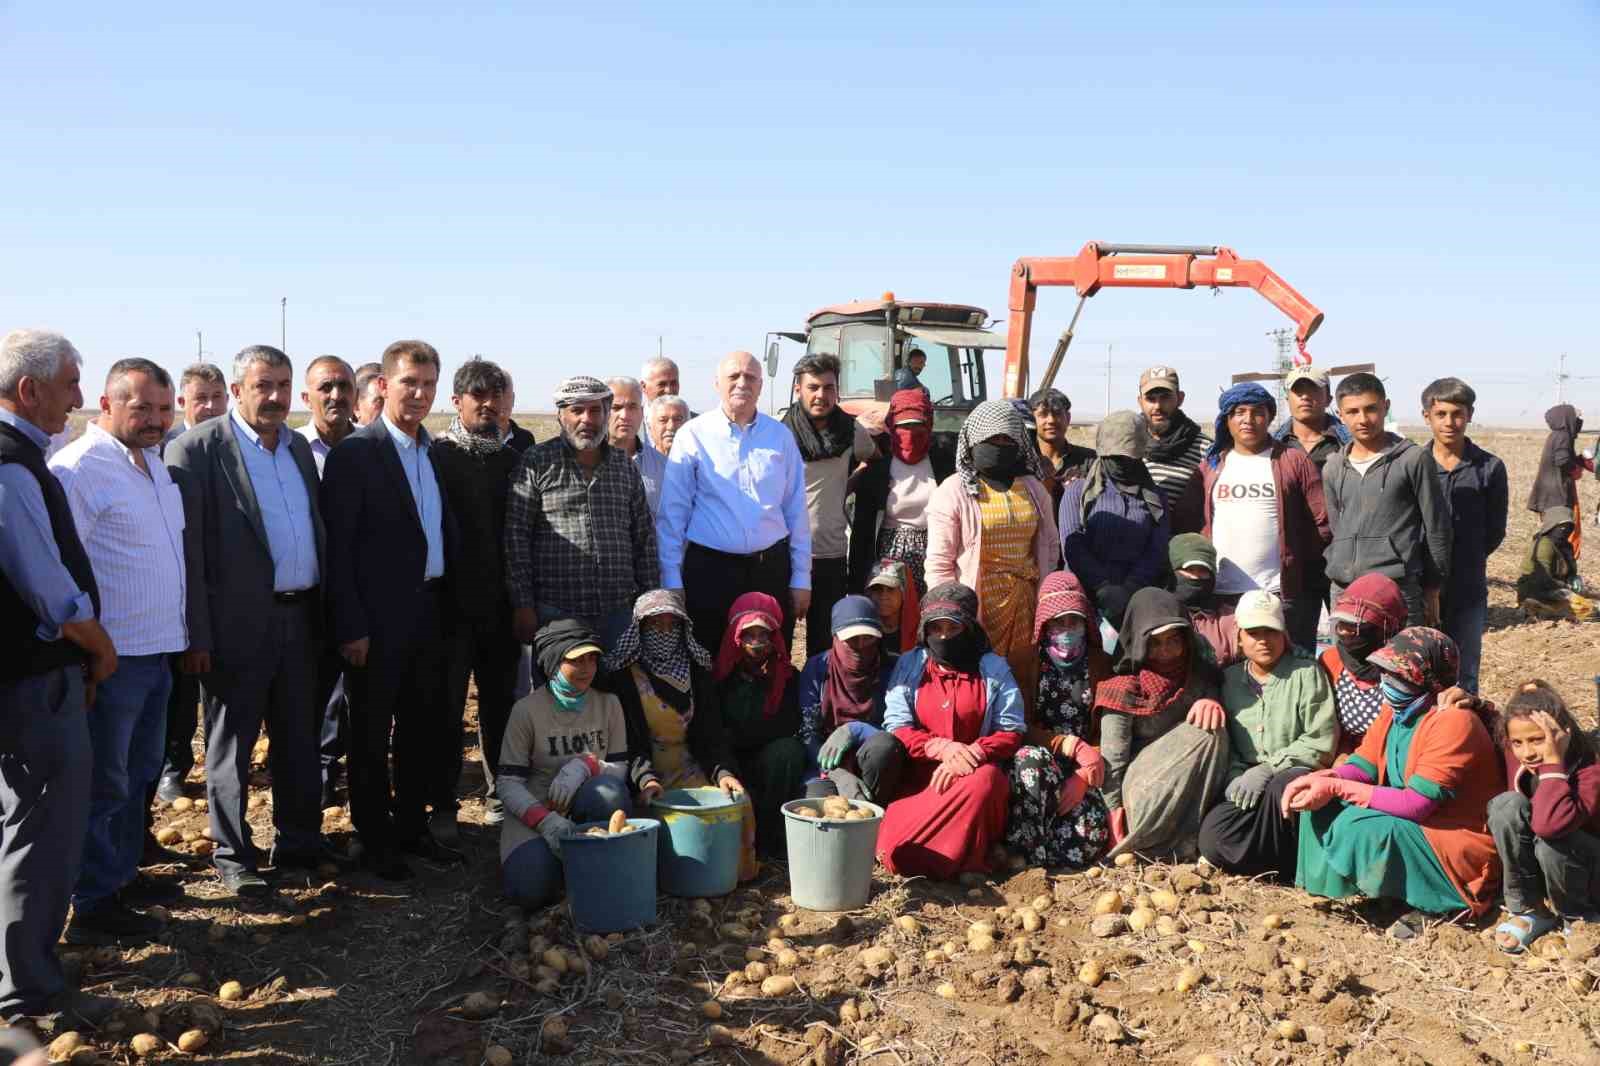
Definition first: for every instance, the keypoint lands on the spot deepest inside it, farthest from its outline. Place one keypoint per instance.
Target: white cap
(1260, 610)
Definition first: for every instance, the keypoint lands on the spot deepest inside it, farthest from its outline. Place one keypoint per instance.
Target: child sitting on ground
(1547, 827)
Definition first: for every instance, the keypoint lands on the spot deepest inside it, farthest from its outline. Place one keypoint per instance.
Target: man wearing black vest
(55, 654)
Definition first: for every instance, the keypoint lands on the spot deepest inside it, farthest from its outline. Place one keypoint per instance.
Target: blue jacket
(1119, 544)
(813, 679)
(1478, 498)
(1003, 711)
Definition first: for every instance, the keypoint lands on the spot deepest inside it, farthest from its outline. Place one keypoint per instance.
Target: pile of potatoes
(618, 824)
(835, 809)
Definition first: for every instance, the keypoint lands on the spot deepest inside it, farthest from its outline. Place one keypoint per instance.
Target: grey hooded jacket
(1393, 521)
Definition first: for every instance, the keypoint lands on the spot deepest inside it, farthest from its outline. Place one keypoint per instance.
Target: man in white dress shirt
(733, 508)
(129, 515)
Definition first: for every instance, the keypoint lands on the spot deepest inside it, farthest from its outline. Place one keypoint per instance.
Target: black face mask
(996, 460)
(959, 652)
(1123, 469)
(1194, 591)
(1367, 640)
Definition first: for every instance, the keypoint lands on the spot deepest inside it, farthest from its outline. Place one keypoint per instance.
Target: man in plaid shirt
(580, 541)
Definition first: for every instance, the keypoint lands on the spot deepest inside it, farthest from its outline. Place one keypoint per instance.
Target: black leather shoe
(424, 846)
(386, 864)
(246, 884)
(111, 923)
(144, 890)
(169, 788)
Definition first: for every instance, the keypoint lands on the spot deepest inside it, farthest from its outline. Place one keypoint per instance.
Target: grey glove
(552, 829)
(1245, 791)
(836, 747)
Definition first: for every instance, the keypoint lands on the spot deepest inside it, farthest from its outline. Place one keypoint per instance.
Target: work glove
(1309, 792)
(567, 781)
(1091, 765)
(836, 747)
(552, 830)
(1245, 790)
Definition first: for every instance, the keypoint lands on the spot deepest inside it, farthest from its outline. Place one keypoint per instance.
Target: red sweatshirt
(1564, 800)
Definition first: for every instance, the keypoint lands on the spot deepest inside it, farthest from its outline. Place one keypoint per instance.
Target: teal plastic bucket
(830, 862)
(699, 842)
(611, 880)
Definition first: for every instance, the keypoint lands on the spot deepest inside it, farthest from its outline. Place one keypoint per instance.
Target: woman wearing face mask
(662, 677)
(841, 707)
(893, 492)
(1561, 467)
(955, 708)
(1365, 617)
(990, 527)
(1114, 524)
(1545, 586)
(1405, 817)
(1058, 817)
(1161, 731)
(1194, 583)
(891, 589)
(757, 691)
(563, 762)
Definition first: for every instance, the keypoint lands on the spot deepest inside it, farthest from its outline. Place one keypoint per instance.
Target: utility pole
(1283, 342)
(199, 347)
(1561, 379)
(283, 325)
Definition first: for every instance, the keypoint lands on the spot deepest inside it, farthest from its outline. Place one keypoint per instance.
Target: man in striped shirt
(1175, 448)
(130, 517)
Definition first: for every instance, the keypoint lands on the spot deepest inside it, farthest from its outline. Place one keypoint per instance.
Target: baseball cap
(577, 651)
(1260, 610)
(1305, 373)
(1158, 377)
(885, 574)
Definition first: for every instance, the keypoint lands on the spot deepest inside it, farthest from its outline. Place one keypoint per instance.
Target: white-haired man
(56, 653)
(622, 430)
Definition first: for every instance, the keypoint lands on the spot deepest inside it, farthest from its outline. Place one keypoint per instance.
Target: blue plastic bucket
(830, 861)
(699, 842)
(611, 880)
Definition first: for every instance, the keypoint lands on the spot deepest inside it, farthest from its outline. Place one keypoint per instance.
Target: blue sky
(556, 188)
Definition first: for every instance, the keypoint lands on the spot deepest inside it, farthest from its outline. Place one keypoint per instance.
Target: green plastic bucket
(830, 862)
(611, 880)
(698, 853)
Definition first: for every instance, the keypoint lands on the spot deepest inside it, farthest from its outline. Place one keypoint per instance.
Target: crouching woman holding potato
(556, 768)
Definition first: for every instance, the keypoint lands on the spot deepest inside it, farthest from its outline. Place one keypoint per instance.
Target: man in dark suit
(390, 535)
(255, 624)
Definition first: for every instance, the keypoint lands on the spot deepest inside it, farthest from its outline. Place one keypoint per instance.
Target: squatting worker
(255, 616)
(56, 652)
(832, 444)
(578, 535)
(130, 516)
(475, 465)
(623, 432)
(390, 541)
(330, 392)
(733, 508)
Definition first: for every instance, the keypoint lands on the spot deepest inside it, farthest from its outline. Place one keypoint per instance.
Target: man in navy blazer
(390, 539)
(257, 571)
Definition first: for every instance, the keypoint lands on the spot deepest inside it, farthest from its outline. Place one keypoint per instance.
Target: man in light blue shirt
(424, 490)
(623, 431)
(733, 508)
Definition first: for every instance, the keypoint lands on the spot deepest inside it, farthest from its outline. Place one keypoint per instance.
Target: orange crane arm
(1137, 266)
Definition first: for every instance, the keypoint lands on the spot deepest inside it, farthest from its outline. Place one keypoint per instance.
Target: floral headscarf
(1425, 658)
(757, 607)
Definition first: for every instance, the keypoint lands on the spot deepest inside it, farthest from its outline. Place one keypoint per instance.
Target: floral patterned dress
(1046, 837)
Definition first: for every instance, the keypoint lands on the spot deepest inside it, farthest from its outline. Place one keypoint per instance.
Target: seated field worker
(1194, 581)
(662, 677)
(1547, 827)
(1405, 817)
(1281, 724)
(757, 691)
(1058, 817)
(955, 709)
(1544, 588)
(1366, 616)
(891, 588)
(841, 706)
(547, 796)
(1162, 731)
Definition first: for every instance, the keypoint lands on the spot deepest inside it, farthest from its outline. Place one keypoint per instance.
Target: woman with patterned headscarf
(955, 711)
(1366, 616)
(1058, 817)
(990, 527)
(758, 691)
(1405, 818)
(662, 677)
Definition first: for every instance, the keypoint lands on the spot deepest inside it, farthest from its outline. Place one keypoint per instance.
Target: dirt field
(348, 969)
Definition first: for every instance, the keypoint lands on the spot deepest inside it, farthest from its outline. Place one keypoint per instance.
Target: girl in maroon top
(955, 707)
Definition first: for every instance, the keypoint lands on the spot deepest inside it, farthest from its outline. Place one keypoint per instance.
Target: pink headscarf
(756, 607)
